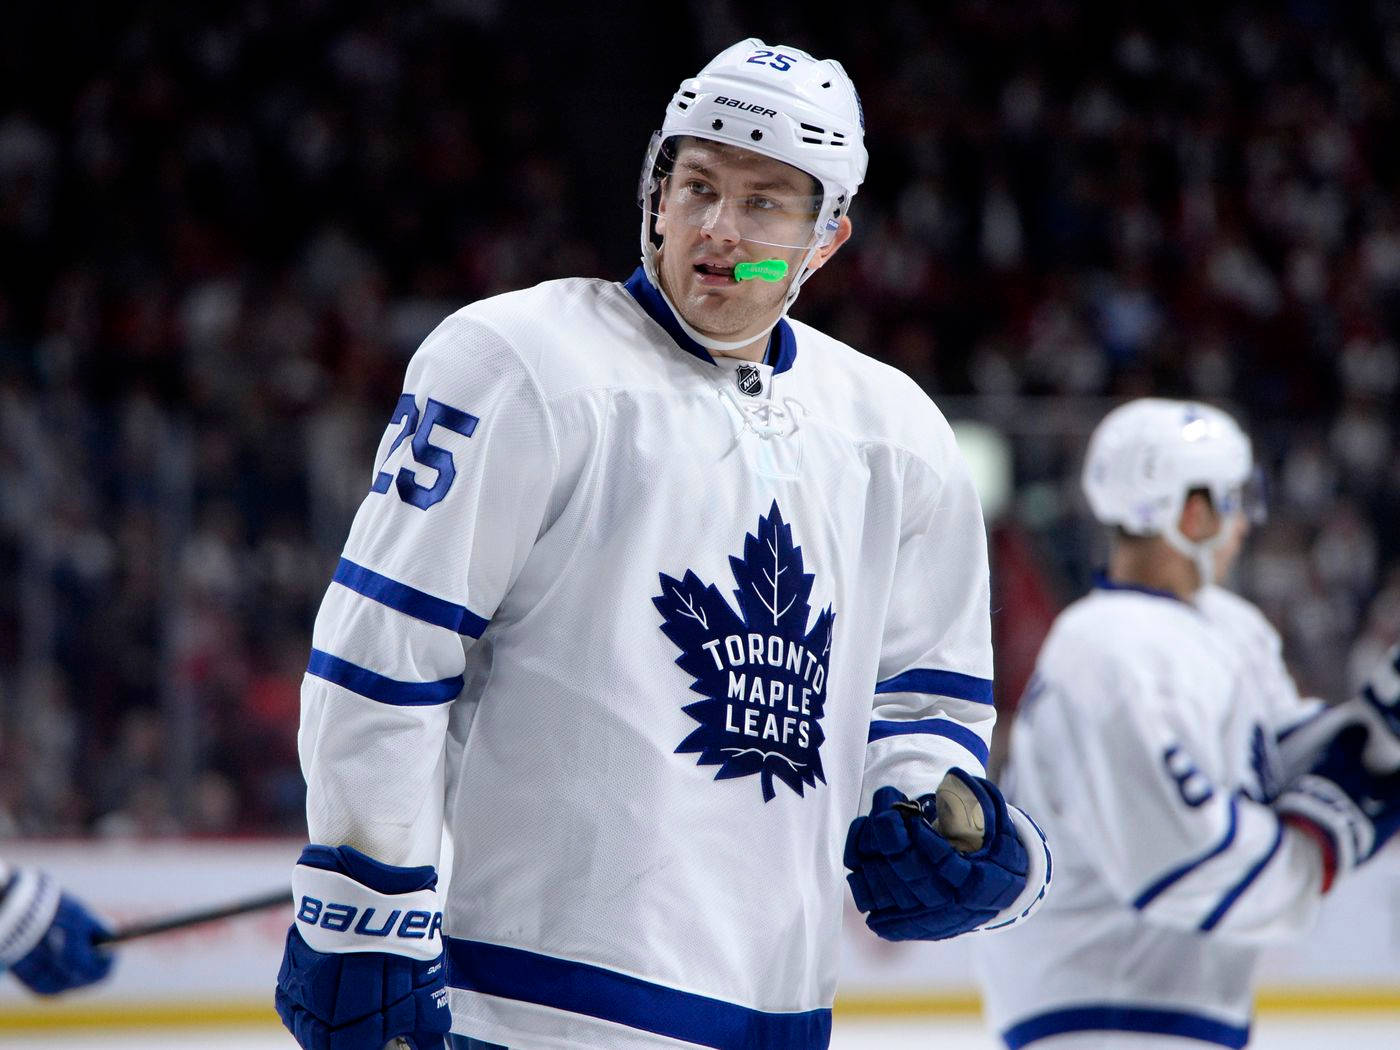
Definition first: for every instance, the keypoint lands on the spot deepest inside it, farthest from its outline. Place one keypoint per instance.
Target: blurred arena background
(225, 226)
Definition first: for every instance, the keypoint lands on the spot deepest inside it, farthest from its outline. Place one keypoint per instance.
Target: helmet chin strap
(709, 342)
(1201, 553)
(795, 282)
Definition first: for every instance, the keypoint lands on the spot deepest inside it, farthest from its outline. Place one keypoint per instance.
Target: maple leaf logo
(761, 672)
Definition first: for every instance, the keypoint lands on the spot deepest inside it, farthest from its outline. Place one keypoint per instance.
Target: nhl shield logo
(750, 380)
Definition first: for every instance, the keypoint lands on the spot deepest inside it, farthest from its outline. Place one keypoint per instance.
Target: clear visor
(1250, 499)
(731, 193)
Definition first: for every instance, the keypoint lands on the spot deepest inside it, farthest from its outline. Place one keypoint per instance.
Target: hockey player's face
(722, 205)
(1235, 527)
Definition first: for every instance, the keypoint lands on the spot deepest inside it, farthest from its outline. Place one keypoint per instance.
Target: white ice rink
(1277, 1032)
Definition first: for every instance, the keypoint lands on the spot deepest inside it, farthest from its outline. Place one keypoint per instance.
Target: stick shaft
(151, 927)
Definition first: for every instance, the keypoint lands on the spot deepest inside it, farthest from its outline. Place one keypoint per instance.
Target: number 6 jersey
(1146, 747)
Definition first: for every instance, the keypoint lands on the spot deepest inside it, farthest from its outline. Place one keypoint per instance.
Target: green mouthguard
(764, 270)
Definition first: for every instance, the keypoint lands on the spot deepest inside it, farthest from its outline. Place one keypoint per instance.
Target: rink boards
(224, 972)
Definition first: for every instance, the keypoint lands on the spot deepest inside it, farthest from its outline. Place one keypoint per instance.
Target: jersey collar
(1103, 583)
(782, 343)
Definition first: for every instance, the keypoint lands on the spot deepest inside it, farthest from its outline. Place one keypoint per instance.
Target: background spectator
(224, 227)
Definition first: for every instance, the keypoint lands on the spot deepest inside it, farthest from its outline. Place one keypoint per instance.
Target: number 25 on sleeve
(425, 453)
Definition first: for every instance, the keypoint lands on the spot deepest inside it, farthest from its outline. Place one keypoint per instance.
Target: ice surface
(1276, 1032)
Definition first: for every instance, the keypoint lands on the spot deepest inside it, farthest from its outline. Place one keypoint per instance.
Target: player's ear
(826, 251)
(1199, 521)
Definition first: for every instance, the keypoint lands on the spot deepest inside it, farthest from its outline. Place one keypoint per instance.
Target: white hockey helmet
(1147, 456)
(776, 101)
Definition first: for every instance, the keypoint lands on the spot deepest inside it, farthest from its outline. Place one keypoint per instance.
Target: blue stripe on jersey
(580, 988)
(939, 683)
(408, 600)
(1152, 892)
(1237, 890)
(943, 727)
(1111, 1017)
(375, 686)
(782, 344)
(782, 347)
(1283, 734)
(1103, 583)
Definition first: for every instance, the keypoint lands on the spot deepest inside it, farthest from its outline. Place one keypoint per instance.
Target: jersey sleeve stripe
(943, 727)
(367, 683)
(1116, 1017)
(1161, 885)
(939, 683)
(1236, 891)
(582, 988)
(408, 600)
(1287, 731)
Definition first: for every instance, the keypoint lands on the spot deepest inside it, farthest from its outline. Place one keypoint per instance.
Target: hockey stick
(151, 927)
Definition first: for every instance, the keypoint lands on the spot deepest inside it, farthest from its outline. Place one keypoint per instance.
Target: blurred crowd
(224, 227)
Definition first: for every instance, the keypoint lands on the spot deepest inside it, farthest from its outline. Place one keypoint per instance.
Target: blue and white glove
(1376, 707)
(1348, 810)
(915, 885)
(1380, 704)
(47, 937)
(364, 960)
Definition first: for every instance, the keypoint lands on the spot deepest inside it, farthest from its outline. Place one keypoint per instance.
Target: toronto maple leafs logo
(761, 672)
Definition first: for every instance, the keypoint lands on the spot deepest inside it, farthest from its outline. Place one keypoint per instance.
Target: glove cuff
(1323, 804)
(337, 913)
(1324, 844)
(28, 904)
(1038, 871)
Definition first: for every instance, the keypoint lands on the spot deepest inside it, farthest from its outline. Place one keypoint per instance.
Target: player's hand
(1376, 707)
(915, 884)
(64, 956)
(363, 963)
(1379, 702)
(1350, 809)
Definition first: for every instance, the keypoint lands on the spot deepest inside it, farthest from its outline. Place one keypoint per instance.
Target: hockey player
(654, 592)
(1185, 837)
(46, 937)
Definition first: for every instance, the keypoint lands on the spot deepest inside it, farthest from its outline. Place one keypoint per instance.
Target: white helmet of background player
(1147, 456)
(776, 101)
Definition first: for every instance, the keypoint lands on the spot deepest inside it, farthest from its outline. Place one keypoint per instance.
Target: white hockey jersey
(1146, 748)
(649, 629)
